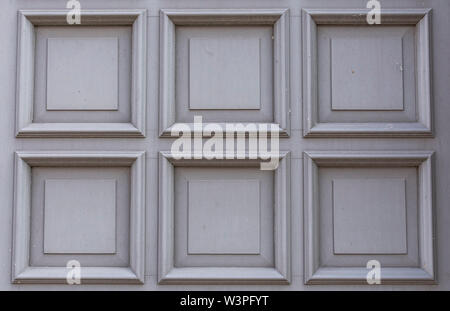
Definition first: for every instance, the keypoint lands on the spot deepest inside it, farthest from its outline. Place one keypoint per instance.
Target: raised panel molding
(314, 272)
(313, 127)
(170, 18)
(350, 71)
(27, 21)
(22, 271)
(168, 273)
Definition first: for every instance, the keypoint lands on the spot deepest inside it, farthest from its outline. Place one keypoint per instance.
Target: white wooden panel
(82, 73)
(224, 73)
(369, 216)
(80, 216)
(224, 217)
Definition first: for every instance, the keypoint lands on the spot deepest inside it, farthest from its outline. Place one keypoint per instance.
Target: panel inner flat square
(224, 217)
(224, 73)
(80, 216)
(366, 73)
(82, 73)
(369, 216)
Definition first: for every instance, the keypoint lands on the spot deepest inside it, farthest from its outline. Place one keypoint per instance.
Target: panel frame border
(170, 18)
(424, 161)
(421, 18)
(22, 272)
(169, 274)
(27, 21)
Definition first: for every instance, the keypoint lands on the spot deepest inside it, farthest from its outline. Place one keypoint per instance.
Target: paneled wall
(361, 112)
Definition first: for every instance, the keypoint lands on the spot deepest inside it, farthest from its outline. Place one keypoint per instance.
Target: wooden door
(92, 111)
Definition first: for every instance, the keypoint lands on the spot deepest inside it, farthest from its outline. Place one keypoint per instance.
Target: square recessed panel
(366, 73)
(224, 217)
(363, 80)
(86, 81)
(363, 206)
(79, 206)
(72, 228)
(80, 216)
(82, 73)
(225, 65)
(368, 213)
(222, 221)
(224, 73)
(369, 216)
